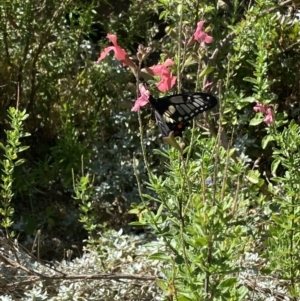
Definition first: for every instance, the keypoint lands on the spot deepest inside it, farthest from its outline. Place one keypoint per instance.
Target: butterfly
(173, 113)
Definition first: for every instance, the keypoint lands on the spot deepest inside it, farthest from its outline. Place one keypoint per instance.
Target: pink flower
(120, 53)
(207, 84)
(142, 100)
(167, 79)
(269, 119)
(202, 36)
(260, 108)
(266, 110)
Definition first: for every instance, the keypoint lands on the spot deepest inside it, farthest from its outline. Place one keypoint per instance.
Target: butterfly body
(173, 113)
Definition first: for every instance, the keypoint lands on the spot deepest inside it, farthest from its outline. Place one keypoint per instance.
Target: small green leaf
(274, 166)
(253, 176)
(134, 211)
(202, 241)
(249, 99)
(258, 119)
(266, 140)
(161, 153)
(19, 162)
(159, 211)
(229, 282)
(189, 61)
(208, 69)
(164, 2)
(160, 256)
(231, 152)
(23, 148)
(184, 298)
(162, 284)
(250, 80)
(137, 223)
(179, 9)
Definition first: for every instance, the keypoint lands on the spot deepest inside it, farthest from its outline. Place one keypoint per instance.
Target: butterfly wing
(183, 107)
(166, 128)
(162, 125)
(172, 113)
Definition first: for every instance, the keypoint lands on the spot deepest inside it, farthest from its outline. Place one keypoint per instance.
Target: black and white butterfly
(173, 113)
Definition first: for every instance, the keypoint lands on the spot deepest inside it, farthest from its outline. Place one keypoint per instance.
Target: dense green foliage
(76, 161)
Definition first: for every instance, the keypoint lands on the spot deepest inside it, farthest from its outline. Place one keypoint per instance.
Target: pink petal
(208, 39)
(143, 90)
(207, 84)
(158, 69)
(269, 119)
(167, 80)
(256, 109)
(200, 35)
(260, 108)
(104, 53)
(198, 31)
(142, 100)
(199, 26)
(113, 38)
(155, 70)
(168, 63)
(120, 53)
(166, 84)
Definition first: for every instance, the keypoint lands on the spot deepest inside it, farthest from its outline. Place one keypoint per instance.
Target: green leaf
(184, 298)
(179, 9)
(159, 211)
(253, 176)
(161, 153)
(138, 223)
(249, 99)
(266, 140)
(231, 152)
(201, 241)
(160, 256)
(228, 283)
(274, 166)
(189, 61)
(258, 119)
(19, 162)
(162, 14)
(250, 80)
(163, 2)
(208, 69)
(134, 211)
(162, 284)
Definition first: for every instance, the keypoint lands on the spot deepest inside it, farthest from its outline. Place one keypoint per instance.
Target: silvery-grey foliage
(116, 253)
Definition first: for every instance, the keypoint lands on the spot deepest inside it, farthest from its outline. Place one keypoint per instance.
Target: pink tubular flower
(120, 53)
(202, 36)
(167, 79)
(266, 110)
(260, 108)
(269, 119)
(142, 100)
(207, 84)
